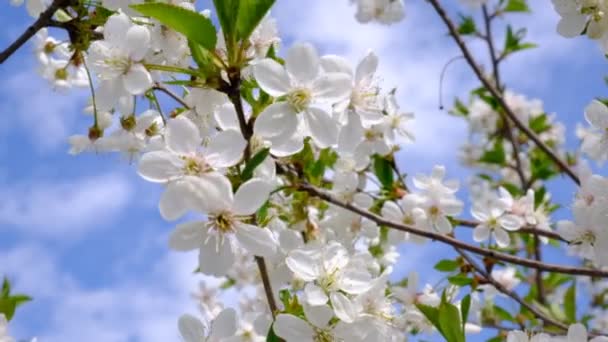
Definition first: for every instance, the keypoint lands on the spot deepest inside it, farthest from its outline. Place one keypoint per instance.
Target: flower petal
(174, 202)
(304, 264)
(343, 307)
(502, 237)
(571, 25)
(596, 114)
(323, 129)
(511, 222)
(355, 281)
(191, 329)
(481, 233)
(271, 77)
(187, 236)
(367, 67)
(137, 80)
(443, 225)
(226, 117)
(302, 62)
(225, 149)
(182, 136)
(138, 42)
(257, 241)
(224, 325)
(577, 332)
(314, 295)
(334, 63)
(391, 211)
(159, 166)
(251, 196)
(293, 329)
(276, 120)
(215, 258)
(319, 316)
(332, 87)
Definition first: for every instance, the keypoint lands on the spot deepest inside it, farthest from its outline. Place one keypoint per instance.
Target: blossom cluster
(280, 171)
(583, 17)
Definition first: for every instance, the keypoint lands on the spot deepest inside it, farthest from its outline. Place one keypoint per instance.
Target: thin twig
(233, 90)
(450, 240)
(509, 133)
(177, 98)
(524, 230)
(510, 293)
(496, 94)
(42, 21)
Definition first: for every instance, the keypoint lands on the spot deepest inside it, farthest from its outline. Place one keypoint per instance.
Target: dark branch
(43, 20)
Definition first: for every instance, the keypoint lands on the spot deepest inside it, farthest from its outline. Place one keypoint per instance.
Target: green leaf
(194, 26)
(467, 25)
(7, 307)
(272, 337)
(503, 314)
(450, 323)
(460, 280)
(21, 299)
(517, 6)
(496, 155)
(446, 265)
(253, 163)
(6, 288)
(459, 108)
(432, 314)
(228, 13)
(465, 305)
(200, 55)
(251, 13)
(539, 196)
(384, 172)
(570, 303)
(539, 124)
(513, 41)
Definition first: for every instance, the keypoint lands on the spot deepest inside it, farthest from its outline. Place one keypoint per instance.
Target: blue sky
(82, 235)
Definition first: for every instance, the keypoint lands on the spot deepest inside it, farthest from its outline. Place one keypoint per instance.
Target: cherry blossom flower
(221, 328)
(226, 227)
(304, 86)
(493, 220)
(183, 163)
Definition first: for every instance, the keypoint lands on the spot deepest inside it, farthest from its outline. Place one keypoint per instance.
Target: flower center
(299, 99)
(61, 74)
(372, 134)
(587, 237)
(152, 130)
(223, 222)
(434, 211)
(322, 336)
(408, 219)
(48, 48)
(194, 166)
(128, 122)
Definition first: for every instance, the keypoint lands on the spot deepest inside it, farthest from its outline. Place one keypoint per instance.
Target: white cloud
(63, 208)
(411, 55)
(44, 116)
(142, 307)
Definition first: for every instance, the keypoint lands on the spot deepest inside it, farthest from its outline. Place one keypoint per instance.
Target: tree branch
(42, 21)
(450, 240)
(171, 94)
(512, 294)
(233, 90)
(524, 230)
(497, 95)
